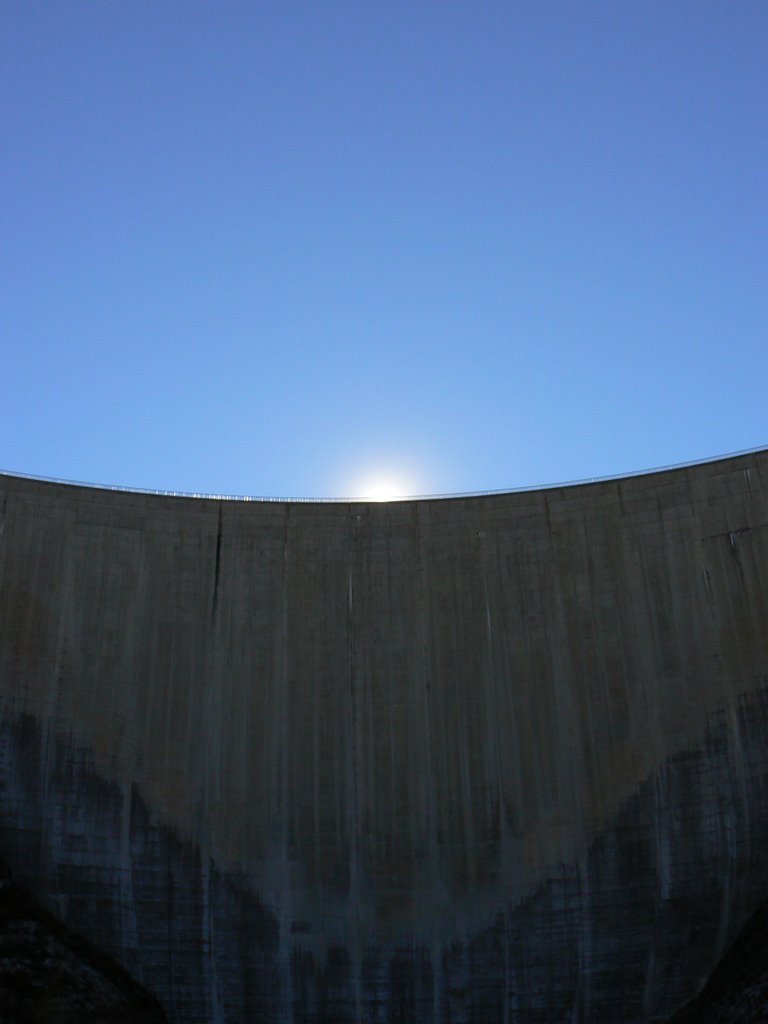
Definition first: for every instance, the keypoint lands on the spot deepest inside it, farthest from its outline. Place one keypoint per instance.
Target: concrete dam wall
(490, 759)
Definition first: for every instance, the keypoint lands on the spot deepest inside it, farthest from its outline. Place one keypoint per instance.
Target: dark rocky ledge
(737, 989)
(50, 974)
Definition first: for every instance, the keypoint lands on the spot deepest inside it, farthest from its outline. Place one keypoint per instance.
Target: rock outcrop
(737, 990)
(51, 975)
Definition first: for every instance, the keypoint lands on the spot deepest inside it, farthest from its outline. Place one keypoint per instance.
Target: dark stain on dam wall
(497, 758)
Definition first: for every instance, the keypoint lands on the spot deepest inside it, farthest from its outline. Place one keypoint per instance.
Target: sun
(384, 479)
(383, 488)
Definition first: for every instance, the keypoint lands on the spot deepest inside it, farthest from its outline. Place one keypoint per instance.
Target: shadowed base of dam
(672, 875)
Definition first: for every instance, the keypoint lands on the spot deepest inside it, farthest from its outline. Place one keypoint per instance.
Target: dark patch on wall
(627, 936)
(142, 896)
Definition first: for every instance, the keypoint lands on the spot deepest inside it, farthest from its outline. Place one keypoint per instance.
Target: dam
(483, 759)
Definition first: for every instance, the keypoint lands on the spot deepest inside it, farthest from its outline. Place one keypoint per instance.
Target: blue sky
(284, 248)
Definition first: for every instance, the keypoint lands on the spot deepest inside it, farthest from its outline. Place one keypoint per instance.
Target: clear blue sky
(275, 248)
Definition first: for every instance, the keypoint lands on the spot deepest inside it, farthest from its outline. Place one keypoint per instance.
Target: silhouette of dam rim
(347, 499)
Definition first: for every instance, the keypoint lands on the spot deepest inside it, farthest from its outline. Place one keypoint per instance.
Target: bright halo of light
(382, 488)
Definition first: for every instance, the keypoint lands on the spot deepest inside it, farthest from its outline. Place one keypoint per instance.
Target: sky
(301, 248)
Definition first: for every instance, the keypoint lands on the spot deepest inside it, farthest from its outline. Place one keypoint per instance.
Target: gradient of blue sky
(271, 248)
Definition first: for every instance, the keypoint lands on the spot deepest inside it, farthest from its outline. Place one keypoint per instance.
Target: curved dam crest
(486, 758)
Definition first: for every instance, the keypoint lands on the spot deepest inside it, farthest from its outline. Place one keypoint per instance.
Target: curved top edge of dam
(396, 500)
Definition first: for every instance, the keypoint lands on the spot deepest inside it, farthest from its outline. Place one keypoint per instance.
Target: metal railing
(377, 501)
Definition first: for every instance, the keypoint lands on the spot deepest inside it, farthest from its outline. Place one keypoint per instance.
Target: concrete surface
(483, 759)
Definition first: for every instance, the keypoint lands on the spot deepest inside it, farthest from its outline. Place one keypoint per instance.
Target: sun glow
(385, 478)
(384, 488)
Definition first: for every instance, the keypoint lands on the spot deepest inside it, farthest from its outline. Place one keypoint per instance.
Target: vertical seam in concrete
(354, 831)
(217, 565)
(283, 769)
(436, 946)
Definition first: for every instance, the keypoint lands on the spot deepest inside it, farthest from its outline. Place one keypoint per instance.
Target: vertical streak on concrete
(209, 938)
(215, 711)
(353, 727)
(51, 701)
(425, 688)
(217, 566)
(279, 772)
(131, 658)
(495, 772)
